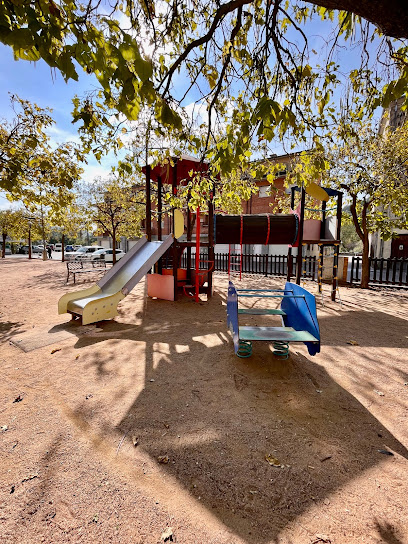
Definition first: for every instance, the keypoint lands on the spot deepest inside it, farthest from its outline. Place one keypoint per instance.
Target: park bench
(77, 267)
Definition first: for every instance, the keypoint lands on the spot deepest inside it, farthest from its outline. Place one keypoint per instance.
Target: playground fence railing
(266, 265)
(382, 271)
(393, 272)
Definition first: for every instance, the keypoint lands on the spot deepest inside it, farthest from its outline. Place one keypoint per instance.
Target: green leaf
(169, 117)
(129, 51)
(132, 109)
(31, 54)
(144, 68)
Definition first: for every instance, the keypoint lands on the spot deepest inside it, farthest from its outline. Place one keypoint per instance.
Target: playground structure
(169, 280)
(101, 300)
(297, 311)
(317, 237)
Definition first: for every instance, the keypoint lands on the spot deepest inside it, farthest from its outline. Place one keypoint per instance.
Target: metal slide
(101, 300)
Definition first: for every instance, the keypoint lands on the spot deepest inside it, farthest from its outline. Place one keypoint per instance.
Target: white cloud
(59, 136)
(197, 112)
(92, 171)
(4, 203)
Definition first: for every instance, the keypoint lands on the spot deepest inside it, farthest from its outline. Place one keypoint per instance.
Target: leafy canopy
(371, 169)
(115, 205)
(48, 179)
(251, 63)
(20, 140)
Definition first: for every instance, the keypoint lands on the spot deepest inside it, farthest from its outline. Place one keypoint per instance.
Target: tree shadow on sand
(216, 418)
(9, 329)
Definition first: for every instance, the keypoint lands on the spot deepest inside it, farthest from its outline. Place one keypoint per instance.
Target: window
(264, 191)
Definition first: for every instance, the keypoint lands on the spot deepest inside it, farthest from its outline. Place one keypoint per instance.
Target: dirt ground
(148, 428)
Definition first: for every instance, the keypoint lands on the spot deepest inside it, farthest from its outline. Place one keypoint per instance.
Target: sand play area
(148, 428)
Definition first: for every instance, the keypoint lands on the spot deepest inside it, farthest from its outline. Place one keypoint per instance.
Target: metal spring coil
(281, 349)
(244, 349)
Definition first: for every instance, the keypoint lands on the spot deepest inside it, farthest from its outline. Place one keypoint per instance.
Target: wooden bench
(77, 267)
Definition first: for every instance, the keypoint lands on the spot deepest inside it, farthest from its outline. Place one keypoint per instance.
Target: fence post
(352, 270)
(266, 266)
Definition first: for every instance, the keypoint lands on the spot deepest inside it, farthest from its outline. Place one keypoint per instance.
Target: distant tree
(116, 206)
(45, 187)
(350, 240)
(13, 224)
(372, 171)
(20, 141)
(70, 219)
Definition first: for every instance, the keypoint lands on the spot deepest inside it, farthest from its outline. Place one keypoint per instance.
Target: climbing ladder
(235, 262)
(320, 269)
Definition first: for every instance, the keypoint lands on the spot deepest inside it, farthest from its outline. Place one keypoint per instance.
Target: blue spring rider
(298, 313)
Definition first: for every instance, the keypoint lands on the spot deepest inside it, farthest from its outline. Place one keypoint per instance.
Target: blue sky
(37, 83)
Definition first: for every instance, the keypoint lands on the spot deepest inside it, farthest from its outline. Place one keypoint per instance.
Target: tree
(251, 62)
(20, 140)
(13, 224)
(115, 205)
(350, 241)
(371, 169)
(70, 219)
(45, 188)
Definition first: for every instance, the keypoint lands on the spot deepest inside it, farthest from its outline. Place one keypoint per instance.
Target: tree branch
(390, 16)
(221, 12)
(354, 215)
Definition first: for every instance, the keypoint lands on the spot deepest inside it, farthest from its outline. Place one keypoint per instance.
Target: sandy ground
(164, 376)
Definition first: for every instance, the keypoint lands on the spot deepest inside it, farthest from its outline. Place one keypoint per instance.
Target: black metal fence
(266, 265)
(382, 271)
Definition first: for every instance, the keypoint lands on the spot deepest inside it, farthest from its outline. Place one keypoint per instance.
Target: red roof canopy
(183, 165)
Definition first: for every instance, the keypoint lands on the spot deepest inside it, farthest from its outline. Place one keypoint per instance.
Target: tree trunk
(114, 246)
(29, 241)
(62, 249)
(365, 265)
(390, 17)
(3, 251)
(362, 232)
(44, 254)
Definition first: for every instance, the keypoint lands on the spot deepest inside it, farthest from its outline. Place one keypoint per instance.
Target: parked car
(107, 255)
(82, 254)
(77, 247)
(34, 249)
(58, 247)
(7, 251)
(69, 248)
